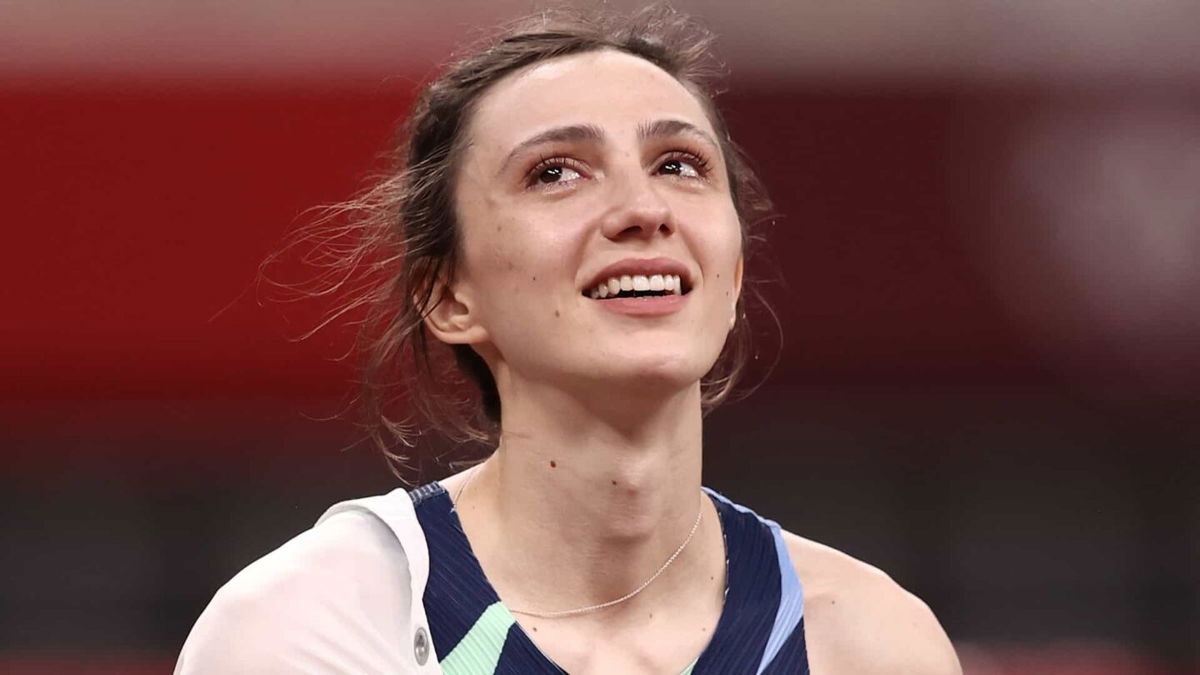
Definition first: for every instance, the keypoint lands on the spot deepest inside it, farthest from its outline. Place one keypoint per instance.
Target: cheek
(490, 254)
(512, 255)
(724, 246)
(520, 268)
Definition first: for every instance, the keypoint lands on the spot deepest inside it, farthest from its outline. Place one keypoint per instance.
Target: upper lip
(643, 266)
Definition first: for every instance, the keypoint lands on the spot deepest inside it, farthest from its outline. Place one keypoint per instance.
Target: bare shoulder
(859, 620)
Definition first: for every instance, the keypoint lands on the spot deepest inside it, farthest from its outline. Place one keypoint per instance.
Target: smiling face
(577, 170)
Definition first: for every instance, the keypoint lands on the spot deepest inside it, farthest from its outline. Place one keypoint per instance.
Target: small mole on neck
(553, 464)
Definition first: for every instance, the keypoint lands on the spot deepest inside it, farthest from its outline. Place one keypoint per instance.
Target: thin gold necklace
(594, 608)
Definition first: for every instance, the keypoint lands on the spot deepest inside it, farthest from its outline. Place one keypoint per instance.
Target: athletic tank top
(761, 628)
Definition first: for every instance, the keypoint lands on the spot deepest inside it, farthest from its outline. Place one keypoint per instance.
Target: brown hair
(383, 251)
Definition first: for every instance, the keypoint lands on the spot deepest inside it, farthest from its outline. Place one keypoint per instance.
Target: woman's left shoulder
(858, 619)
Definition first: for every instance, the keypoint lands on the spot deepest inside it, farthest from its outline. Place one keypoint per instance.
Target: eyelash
(702, 165)
(544, 163)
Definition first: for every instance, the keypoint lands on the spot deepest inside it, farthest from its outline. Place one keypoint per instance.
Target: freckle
(535, 278)
(556, 311)
(651, 615)
(511, 266)
(553, 464)
(614, 482)
(718, 276)
(534, 628)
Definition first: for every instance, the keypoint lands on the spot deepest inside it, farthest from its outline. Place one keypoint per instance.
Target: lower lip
(653, 305)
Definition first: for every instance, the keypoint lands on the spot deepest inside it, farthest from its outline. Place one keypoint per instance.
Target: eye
(557, 174)
(684, 165)
(554, 171)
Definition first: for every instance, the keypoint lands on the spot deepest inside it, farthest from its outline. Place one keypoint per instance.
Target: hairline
(464, 139)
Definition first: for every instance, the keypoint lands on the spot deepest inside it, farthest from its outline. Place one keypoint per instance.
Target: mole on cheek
(553, 464)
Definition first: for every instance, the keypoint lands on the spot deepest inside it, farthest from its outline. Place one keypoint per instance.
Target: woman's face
(579, 170)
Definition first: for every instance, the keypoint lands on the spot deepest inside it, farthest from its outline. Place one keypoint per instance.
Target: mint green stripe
(478, 652)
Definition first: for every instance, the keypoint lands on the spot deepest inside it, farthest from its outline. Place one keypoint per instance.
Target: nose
(637, 210)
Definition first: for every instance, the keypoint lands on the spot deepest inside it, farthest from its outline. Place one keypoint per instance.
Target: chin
(668, 373)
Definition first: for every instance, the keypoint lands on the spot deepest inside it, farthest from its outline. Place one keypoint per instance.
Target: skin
(597, 477)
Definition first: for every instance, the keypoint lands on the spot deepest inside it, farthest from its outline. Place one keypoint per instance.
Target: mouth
(639, 286)
(640, 279)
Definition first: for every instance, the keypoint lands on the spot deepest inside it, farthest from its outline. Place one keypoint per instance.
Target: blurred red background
(984, 267)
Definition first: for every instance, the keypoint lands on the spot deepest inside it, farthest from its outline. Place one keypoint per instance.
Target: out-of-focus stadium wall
(985, 269)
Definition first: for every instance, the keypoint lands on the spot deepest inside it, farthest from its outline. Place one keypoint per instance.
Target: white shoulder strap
(396, 510)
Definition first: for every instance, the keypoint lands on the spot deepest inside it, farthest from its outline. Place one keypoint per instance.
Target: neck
(600, 500)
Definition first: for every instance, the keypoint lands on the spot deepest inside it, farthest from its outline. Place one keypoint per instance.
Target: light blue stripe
(791, 600)
(791, 592)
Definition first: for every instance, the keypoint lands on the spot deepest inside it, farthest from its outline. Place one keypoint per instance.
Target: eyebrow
(569, 134)
(575, 133)
(666, 128)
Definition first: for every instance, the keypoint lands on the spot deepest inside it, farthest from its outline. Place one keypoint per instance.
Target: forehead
(610, 89)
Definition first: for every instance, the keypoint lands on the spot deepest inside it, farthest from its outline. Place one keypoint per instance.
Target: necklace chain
(610, 603)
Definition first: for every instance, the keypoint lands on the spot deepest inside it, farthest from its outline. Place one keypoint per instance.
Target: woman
(572, 221)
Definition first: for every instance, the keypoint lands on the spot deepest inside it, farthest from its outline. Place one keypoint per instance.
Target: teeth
(637, 282)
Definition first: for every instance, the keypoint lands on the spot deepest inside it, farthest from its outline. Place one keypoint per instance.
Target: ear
(452, 319)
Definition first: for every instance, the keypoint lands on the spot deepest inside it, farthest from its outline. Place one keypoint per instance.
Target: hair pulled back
(382, 252)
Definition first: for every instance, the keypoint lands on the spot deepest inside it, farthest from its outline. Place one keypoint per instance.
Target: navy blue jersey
(761, 628)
